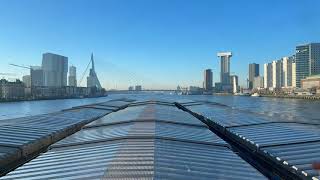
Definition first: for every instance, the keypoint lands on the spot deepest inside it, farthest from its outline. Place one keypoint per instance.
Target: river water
(274, 107)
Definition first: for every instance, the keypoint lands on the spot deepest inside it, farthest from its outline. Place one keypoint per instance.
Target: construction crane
(8, 74)
(22, 66)
(26, 67)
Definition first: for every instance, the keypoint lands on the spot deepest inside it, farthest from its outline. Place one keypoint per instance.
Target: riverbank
(48, 98)
(274, 96)
(292, 96)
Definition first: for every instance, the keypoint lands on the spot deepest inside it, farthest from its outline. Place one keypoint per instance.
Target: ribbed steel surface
(188, 133)
(227, 116)
(49, 122)
(142, 130)
(82, 113)
(61, 119)
(20, 119)
(138, 149)
(133, 160)
(29, 135)
(174, 114)
(127, 114)
(148, 112)
(137, 159)
(103, 133)
(277, 133)
(17, 136)
(302, 156)
(57, 119)
(178, 160)
(86, 162)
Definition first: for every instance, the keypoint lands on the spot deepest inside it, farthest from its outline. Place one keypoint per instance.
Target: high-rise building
(92, 79)
(280, 73)
(294, 74)
(253, 72)
(258, 82)
(27, 81)
(276, 74)
(225, 67)
(235, 83)
(72, 76)
(267, 75)
(37, 76)
(207, 84)
(287, 71)
(55, 69)
(307, 61)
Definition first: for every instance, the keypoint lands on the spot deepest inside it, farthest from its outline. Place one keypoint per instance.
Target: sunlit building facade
(37, 76)
(55, 69)
(267, 75)
(225, 67)
(307, 61)
(258, 82)
(72, 76)
(253, 72)
(207, 84)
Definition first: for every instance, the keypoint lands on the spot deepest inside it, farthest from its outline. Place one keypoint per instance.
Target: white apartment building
(267, 75)
(280, 73)
(276, 74)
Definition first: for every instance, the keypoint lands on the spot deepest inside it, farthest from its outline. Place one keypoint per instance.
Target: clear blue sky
(156, 43)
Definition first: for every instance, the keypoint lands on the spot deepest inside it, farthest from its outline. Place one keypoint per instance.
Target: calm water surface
(274, 107)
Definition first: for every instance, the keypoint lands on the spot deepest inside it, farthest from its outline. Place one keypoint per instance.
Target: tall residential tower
(276, 74)
(267, 69)
(207, 84)
(72, 76)
(225, 67)
(253, 72)
(280, 73)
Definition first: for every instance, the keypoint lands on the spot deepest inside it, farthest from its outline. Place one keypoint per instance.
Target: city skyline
(158, 45)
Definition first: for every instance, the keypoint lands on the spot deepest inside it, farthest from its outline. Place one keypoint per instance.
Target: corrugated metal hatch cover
(152, 140)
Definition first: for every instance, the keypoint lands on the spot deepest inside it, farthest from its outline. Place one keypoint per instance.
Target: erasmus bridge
(92, 79)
